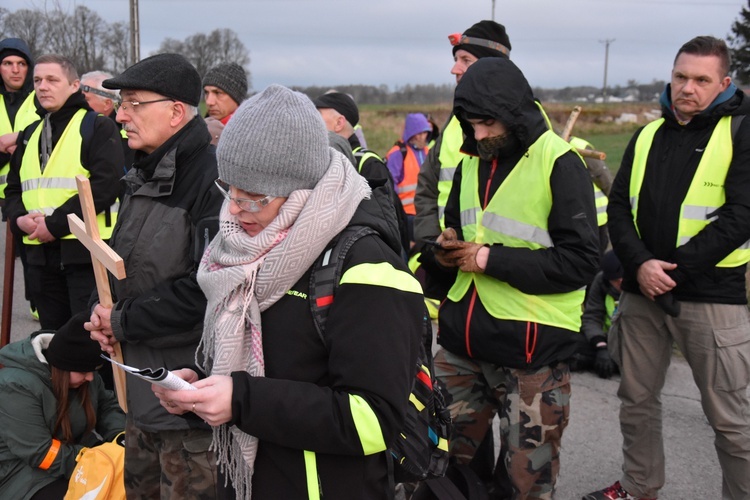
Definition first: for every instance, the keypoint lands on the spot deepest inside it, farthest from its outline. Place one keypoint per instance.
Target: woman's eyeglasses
(245, 204)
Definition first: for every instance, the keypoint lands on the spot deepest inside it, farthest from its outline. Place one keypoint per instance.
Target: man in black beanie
(224, 89)
(168, 216)
(483, 39)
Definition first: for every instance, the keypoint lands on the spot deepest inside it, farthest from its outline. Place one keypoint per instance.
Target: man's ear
(340, 123)
(725, 83)
(179, 111)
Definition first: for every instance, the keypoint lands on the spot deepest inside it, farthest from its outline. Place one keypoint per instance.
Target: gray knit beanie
(275, 143)
(229, 77)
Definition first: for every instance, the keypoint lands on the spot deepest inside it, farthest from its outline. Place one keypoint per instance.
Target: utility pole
(606, 63)
(135, 34)
(493, 10)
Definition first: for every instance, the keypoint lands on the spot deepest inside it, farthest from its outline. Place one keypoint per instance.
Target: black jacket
(303, 403)
(101, 155)
(671, 165)
(168, 216)
(568, 265)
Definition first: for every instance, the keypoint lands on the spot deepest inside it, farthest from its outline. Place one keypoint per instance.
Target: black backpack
(421, 448)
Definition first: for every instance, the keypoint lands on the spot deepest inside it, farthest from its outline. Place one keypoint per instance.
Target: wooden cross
(568, 130)
(102, 258)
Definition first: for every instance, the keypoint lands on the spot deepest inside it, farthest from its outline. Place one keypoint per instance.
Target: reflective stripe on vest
(45, 192)
(25, 116)
(407, 188)
(706, 194)
(511, 220)
(450, 156)
(600, 198)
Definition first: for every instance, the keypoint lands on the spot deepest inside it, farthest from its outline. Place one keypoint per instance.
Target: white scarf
(243, 275)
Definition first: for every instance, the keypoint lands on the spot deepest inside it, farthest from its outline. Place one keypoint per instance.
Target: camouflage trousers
(169, 464)
(533, 407)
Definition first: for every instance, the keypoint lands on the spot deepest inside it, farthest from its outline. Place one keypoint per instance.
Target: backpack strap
(87, 129)
(326, 274)
(362, 155)
(402, 148)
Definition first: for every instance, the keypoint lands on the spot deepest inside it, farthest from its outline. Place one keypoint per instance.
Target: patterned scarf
(244, 275)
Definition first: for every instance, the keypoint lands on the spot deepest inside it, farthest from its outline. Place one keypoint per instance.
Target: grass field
(597, 124)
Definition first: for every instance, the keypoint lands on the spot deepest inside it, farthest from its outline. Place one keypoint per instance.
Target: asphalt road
(591, 457)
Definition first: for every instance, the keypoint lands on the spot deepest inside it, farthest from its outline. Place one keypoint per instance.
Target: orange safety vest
(407, 188)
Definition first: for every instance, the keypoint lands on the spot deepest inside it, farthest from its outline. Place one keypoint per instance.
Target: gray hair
(94, 80)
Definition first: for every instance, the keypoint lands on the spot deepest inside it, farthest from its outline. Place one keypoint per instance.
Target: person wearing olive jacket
(52, 403)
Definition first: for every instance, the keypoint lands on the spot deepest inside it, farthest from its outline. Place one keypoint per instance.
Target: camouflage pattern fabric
(169, 464)
(533, 407)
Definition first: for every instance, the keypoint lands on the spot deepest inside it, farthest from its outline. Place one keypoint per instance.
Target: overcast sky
(396, 42)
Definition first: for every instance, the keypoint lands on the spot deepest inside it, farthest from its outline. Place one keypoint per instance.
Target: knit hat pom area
(275, 143)
(72, 349)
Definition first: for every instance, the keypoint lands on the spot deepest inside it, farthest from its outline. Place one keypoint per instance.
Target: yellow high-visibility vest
(706, 193)
(25, 116)
(516, 216)
(600, 199)
(44, 192)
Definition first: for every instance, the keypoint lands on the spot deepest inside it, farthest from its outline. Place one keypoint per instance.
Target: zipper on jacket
(531, 348)
(473, 300)
(467, 335)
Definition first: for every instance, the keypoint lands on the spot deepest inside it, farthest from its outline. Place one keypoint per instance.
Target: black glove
(603, 363)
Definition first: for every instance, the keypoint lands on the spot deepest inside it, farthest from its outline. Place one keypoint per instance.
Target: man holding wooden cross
(169, 214)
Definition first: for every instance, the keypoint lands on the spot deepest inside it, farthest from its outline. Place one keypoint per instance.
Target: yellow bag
(99, 473)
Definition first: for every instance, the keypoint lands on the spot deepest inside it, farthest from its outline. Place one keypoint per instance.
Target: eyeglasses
(245, 204)
(99, 92)
(459, 39)
(128, 106)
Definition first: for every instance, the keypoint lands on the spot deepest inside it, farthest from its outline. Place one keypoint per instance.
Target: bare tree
(205, 51)
(30, 26)
(117, 47)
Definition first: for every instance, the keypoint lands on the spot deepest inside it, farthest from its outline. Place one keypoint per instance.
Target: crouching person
(52, 405)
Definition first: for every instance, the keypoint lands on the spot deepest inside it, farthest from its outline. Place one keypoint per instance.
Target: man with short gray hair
(169, 215)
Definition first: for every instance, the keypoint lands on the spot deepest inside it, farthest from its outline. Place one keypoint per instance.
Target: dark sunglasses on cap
(459, 39)
(102, 93)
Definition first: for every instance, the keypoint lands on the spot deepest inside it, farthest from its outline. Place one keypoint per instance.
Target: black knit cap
(229, 77)
(170, 75)
(484, 30)
(13, 52)
(340, 102)
(72, 349)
